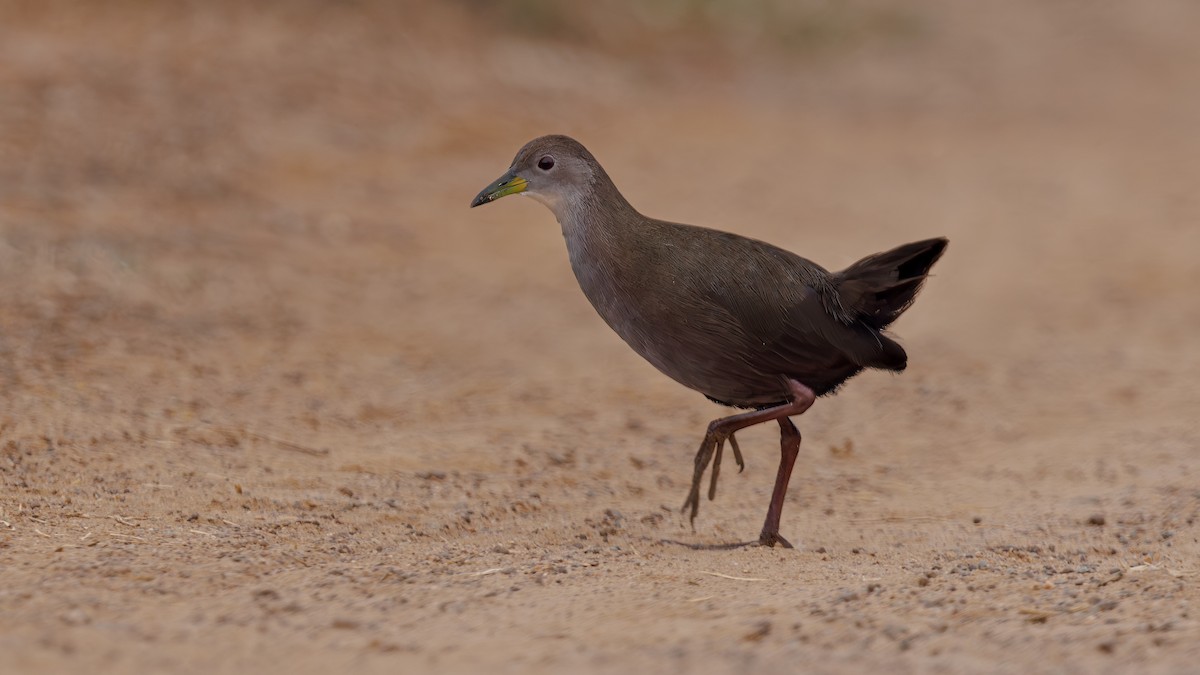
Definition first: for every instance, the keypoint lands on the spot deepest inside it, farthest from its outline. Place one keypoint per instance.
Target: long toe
(769, 539)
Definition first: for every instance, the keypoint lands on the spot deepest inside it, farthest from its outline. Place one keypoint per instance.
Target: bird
(745, 323)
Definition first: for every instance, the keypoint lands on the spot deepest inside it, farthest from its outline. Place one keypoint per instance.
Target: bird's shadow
(711, 547)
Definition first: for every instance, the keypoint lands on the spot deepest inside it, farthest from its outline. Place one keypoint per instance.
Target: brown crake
(743, 322)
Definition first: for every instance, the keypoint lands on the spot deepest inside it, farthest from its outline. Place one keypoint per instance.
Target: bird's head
(555, 170)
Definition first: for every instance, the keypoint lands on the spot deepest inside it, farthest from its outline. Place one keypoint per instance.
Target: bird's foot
(711, 450)
(769, 539)
(716, 471)
(692, 503)
(737, 453)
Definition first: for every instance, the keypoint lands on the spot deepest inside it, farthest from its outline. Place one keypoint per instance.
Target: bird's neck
(601, 232)
(597, 222)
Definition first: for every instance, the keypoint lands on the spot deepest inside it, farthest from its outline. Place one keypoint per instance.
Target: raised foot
(769, 539)
(711, 451)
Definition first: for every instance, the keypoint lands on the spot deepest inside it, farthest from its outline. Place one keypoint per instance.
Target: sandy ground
(273, 399)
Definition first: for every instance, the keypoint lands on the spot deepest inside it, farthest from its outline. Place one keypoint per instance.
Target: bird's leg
(789, 448)
(723, 429)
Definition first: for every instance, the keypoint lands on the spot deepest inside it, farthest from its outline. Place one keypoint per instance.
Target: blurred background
(284, 182)
(227, 227)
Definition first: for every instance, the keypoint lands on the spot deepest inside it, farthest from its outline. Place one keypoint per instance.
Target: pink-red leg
(723, 429)
(789, 449)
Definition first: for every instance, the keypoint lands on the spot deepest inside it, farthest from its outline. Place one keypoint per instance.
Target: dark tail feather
(878, 288)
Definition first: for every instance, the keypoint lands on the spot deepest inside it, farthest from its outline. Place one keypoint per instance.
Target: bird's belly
(693, 354)
(700, 352)
(724, 377)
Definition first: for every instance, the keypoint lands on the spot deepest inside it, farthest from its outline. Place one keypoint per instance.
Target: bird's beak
(508, 184)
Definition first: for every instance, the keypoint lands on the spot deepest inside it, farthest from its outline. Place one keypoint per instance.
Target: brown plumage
(743, 322)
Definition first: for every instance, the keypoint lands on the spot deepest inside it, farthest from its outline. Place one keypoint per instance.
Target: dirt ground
(275, 400)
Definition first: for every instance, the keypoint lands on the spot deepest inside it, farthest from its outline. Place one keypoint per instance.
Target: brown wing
(781, 315)
(789, 305)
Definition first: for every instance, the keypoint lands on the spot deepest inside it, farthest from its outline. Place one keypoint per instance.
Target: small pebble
(760, 631)
(76, 617)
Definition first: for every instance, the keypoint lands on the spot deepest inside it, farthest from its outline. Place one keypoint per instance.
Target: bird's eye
(546, 163)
